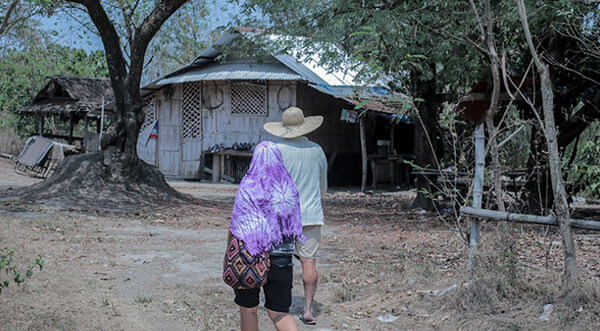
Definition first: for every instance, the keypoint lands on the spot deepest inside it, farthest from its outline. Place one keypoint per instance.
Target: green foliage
(180, 39)
(183, 36)
(14, 273)
(24, 71)
(584, 174)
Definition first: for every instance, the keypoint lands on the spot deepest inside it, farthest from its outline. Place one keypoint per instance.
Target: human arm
(323, 174)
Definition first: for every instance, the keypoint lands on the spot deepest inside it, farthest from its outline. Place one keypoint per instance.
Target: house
(207, 114)
(71, 100)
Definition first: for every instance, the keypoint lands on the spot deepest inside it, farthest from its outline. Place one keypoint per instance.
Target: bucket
(383, 147)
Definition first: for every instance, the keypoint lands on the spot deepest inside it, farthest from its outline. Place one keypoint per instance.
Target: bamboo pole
(524, 218)
(477, 192)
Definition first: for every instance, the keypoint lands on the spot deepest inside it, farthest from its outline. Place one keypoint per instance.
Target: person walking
(307, 164)
(266, 218)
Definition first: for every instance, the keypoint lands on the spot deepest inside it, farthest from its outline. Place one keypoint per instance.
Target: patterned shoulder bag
(241, 270)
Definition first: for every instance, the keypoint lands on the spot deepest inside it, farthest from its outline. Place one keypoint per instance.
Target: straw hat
(293, 124)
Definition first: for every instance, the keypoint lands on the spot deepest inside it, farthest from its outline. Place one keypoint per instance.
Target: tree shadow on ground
(298, 306)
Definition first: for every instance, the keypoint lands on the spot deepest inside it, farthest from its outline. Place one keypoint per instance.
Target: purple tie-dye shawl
(267, 208)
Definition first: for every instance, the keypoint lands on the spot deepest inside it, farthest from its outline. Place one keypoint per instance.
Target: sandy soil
(10, 179)
(160, 270)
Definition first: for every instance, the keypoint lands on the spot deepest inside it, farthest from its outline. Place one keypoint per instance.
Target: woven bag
(243, 271)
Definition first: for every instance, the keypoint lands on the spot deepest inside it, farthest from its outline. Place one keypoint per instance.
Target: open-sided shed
(71, 99)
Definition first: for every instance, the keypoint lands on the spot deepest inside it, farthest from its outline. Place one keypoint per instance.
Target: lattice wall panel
(191, 125)
(249, 99)
(149, 112)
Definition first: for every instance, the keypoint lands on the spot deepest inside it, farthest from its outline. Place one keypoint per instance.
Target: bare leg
(310, 278)
(282, 321)
(248, 319)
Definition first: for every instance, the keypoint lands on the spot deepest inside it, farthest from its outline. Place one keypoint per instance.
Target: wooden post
(216, 168)
(41, 126)
(477, 193)
(85, 132)
(392, 137)
(363, 151)
(392, 152)
(71, 124)
(374, 173)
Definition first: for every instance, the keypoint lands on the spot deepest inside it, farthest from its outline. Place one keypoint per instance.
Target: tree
(115, 177)
(563, 33)
(383, 39)
(549, 127)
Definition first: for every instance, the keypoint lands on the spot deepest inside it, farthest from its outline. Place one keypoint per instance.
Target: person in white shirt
(306, 163)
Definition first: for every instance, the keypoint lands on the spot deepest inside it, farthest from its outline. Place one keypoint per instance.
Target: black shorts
(278, 289)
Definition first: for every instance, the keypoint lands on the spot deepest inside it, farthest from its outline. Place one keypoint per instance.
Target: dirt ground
(382, 266)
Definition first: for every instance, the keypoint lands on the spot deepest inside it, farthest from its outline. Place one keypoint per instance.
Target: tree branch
(144, 34)
(478, 18)
(5, 21)
(112, 45)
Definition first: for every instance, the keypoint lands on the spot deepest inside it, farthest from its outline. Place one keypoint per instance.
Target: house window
(149, 112)
(249, 99)
(191, 105)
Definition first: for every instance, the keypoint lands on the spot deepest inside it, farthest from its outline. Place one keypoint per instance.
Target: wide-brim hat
(293, 124)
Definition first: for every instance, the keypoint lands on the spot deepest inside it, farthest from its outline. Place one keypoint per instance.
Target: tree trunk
(428, 145)
(492, 132)
(561, 205)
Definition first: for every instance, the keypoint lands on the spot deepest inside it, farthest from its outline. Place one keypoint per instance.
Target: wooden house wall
(182, 157)
(220, 126)
(334, 134)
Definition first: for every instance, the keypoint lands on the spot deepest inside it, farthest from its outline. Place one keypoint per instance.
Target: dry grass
(11, 143)
(376, 260)
(505, 293)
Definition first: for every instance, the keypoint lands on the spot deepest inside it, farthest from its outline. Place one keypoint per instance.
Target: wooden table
(218, 164)
(392, 161)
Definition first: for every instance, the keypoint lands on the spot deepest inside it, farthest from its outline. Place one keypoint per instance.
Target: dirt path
(10, 179)
(112, 273)
(382, 267)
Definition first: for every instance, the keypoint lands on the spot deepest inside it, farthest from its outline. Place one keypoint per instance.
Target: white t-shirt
(307, 164)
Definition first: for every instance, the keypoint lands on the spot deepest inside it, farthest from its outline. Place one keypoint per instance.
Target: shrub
(13, 273)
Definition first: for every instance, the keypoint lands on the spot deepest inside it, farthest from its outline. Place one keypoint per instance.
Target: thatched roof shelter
(71, 99)
(71, 96)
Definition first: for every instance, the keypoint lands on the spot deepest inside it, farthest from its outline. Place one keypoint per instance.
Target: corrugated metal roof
(375, 97)
(234, 71)
(337, 91)
(309, 65)
(306, 66)
(339, 83)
